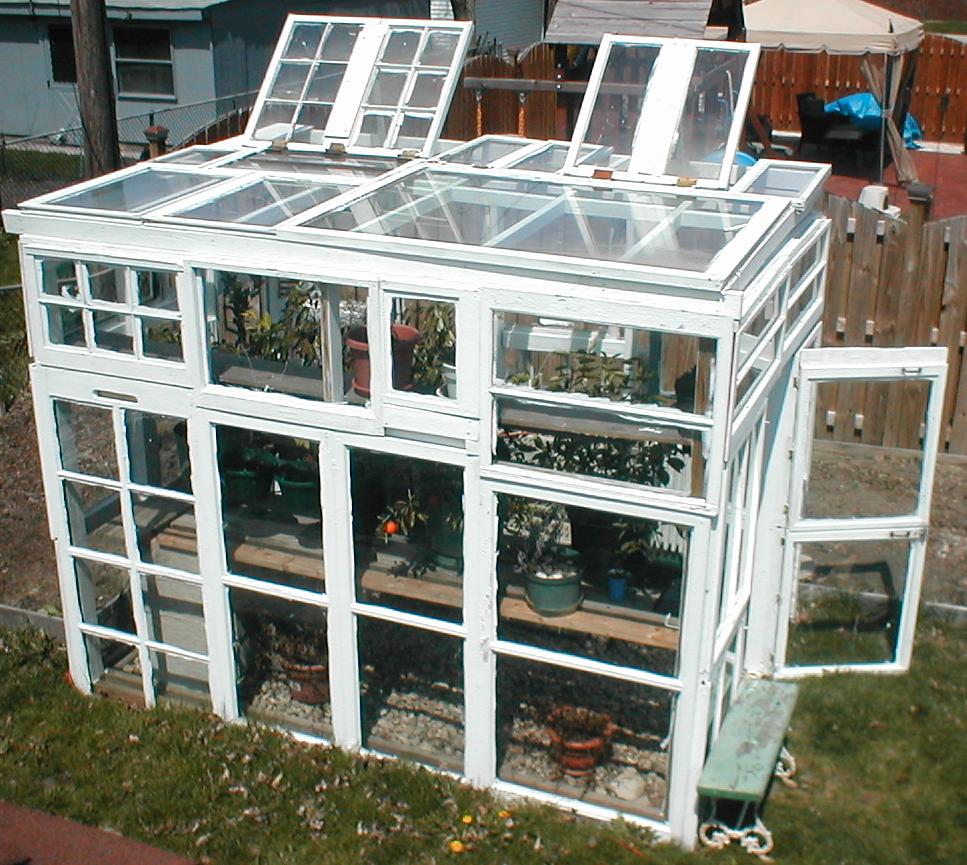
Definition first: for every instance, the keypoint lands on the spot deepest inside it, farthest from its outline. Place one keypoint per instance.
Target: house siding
(512, 24)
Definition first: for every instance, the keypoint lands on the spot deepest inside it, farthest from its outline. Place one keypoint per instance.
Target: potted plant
(303, 656)
(404, 340)
(580, 738)
(550, 571)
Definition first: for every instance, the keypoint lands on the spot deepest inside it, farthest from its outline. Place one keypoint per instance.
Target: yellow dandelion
(504, 814)
(457, 846)
(466, 819)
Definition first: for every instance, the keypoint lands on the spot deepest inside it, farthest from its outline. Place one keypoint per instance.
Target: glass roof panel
(193, 156)
(637, 227)
(665, 109)
(485, 152)
(372, 83)
(266, 202)
(313, 163)
(138, 192)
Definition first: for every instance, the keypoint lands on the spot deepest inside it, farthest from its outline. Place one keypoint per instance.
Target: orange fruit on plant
(391, 527)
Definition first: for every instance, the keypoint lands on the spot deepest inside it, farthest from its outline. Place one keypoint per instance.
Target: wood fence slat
(953, 313)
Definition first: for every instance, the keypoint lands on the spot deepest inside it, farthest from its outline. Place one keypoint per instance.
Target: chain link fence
(13, 345)
(34, 166)
(43, 163)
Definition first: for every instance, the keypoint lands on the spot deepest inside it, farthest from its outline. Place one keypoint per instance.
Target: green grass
(882, 767)
(945, 26)
(9, 263)
(16, 164)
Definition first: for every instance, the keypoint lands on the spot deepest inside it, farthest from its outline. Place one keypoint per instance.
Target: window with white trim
(142, 62)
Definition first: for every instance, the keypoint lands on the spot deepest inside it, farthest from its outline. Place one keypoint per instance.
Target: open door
(867, 430)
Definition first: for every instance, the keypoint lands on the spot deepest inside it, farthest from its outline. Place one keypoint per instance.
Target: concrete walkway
(29, 837)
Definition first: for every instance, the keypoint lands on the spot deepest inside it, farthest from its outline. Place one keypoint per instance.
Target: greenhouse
(441, 450)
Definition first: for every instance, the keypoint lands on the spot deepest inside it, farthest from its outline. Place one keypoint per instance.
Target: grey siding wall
(514, 24)
(31, 103)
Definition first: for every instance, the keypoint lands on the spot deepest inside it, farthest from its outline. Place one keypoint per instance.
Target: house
(477, 454)
(164, 53)
(517, 24)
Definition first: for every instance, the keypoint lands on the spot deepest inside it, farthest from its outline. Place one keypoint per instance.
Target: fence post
(157, 141)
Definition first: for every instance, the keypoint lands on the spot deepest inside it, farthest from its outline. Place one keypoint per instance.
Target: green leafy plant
(438, 341)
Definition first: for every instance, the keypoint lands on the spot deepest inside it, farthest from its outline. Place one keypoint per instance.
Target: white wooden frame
(862, 364)
(663, 101)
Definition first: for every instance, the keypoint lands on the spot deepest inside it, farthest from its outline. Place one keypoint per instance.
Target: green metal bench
(741, 764)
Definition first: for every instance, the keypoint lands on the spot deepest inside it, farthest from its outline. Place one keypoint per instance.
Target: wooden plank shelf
(386, 575)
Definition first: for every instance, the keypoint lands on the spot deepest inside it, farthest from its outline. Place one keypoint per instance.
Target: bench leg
(755, 838)
(786, 767)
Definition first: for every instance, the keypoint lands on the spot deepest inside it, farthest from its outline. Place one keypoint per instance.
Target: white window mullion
(362, 61)
(338, 552)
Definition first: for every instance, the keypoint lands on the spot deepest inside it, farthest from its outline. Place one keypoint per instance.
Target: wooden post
(157, 137)
(95, 90)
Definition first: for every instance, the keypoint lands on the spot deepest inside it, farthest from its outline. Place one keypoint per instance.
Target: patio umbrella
(848, 27)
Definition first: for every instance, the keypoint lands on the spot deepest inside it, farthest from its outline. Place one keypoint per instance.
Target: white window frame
(119, 62)
(859, 365)
(663, 100)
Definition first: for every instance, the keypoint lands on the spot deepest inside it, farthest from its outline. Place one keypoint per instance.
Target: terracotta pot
(579, 753)
(308, 683)
(404, 339)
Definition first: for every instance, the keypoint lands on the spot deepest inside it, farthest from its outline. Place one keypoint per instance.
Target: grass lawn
(9, 263)
(882, 768)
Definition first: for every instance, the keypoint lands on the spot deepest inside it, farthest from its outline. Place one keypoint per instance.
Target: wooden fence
(939, 100)
(941, 71)
(895, 282)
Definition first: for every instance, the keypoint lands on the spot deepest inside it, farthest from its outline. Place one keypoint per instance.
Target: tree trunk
(95, 91)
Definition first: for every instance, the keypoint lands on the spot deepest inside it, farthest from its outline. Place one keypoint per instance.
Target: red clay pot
(579, 754)
(308, 683)
(404, 339)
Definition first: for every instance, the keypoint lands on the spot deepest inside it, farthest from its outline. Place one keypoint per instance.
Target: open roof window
(669, 110)
(371, 85)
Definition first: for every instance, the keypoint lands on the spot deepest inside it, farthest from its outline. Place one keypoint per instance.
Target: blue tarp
(863, 111)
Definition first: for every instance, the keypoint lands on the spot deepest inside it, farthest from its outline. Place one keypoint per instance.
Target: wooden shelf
(437, 586)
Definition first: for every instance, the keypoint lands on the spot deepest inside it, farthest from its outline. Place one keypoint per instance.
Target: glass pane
(620, 364)
(426, 91)
(273, 335)
(386, 88)
(180, 681)
(413, 130)
(401, 46)
(161, 338)
(59, 278)
(281, 662)
(86, 437)
(325, 82)
(148, 78)
(166, 532)
(617, 104)
(114, 332)
(708, 114)
(849, 601)
(340, 41)
(408, 533)
(589, 583)
(582, 736)
(312, 118)
(158, 450)
(424, 346)
(65, 325)
(142, 43)
(374, 129)
(104, 593)
(266, 202)
(439, 48)
(157, 288)
(94, 517)
(275, 120)
(115, 669)
(550, 159)
(601, 444)
(271, 508)
(484, 153)
(548, 218)
(850, 473)
(174, 612)
(289, 81)
(136, 193)
(411, 693)
(304, 41)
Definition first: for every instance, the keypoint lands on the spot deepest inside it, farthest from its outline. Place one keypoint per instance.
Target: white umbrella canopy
(834, 26)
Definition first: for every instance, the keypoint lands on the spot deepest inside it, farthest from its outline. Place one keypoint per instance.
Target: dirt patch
(28, 573)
